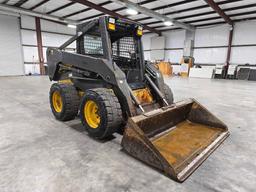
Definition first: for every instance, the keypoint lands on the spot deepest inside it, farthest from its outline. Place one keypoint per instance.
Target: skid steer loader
(113, 89)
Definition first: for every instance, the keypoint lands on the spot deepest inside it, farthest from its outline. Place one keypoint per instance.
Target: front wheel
(64, 101)
(100, 112)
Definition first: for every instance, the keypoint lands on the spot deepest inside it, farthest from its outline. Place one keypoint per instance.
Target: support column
(39, 45)
(230, 39)
(188, 50)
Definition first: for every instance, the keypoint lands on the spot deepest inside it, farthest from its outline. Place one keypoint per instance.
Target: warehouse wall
(244, 43)
(53, 35)
(174, 42)
(18, 47)
(211, 44)
(11, 60)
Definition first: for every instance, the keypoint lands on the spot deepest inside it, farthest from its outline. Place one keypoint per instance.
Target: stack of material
(202, 72)
(165, 68)
(232, 69)
(186, 64)
(243, 74)
(219, 71)
(252, 75)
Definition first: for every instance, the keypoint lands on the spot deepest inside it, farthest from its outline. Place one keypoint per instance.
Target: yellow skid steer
(113, 89)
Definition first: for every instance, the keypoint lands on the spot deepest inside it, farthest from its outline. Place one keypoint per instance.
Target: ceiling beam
(153, 14)
(6, 1)
(86, 9)
(218, 10)
(111, 13)
(139, 3)
(23, 11)
(187, 9)
(154, 9)
(241, 14)
(145, 2)
(20, 2)
(211, 12)
(61, 7)
(225, 10)
(163, 7)
(115, 10)
(38, 4)
(215, 23)
(214, 18)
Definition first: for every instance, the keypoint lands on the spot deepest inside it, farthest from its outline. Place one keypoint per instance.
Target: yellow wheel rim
(57, 101)
(91, 114)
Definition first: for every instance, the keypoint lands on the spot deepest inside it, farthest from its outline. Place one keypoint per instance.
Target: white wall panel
(243, 55)
(32, 69)
(214, 36)
(57, 28)
(158, 42)
(210, 55)
(28, 37)
(55, 40)
(147, 55)
(157, 55)
(175, 39)
(30, 54)
(44, 53)
(146, 40)
(11, 60)
(173, 56)
(28, 22)
(245, 33)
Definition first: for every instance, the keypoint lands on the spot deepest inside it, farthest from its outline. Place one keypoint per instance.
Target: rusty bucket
(174, 140)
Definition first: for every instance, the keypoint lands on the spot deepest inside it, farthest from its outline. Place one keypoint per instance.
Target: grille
(93, 45)
(123, 47)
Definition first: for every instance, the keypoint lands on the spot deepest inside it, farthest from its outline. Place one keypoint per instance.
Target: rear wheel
(64, 101)
(168, 94)
(100, 112)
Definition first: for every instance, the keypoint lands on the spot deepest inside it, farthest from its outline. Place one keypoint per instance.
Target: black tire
(168, 94)
(109, 111)
(70, 101)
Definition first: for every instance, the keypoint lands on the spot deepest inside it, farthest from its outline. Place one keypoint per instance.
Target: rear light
(139, 31)
(112, 24)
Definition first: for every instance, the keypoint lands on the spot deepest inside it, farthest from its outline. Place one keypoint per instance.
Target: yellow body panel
(65, 81)
(143, 95)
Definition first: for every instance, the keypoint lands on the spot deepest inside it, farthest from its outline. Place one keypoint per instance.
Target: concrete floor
(39, 154)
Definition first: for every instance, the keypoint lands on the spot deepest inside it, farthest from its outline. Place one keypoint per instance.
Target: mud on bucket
(175, 140)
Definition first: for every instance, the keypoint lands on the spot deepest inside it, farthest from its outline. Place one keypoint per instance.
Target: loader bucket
(174, 140)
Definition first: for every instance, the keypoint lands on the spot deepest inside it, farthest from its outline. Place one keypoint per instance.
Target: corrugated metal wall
(211, 44)
(11, 60)
(19, 44)
(53, 35)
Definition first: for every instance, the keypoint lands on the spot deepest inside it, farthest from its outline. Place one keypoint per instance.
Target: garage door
(11, 60)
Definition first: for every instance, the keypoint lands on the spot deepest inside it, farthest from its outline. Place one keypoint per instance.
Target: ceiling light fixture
(131, 11)
(72, 26)
(168, 23)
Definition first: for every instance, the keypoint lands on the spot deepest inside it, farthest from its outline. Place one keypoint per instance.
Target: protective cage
(174, 140)
(123, 47)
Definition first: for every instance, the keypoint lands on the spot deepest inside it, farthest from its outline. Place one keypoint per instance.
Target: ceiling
(194, 12)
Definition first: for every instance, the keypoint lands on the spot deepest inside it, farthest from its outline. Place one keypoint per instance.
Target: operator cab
(126, 47)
